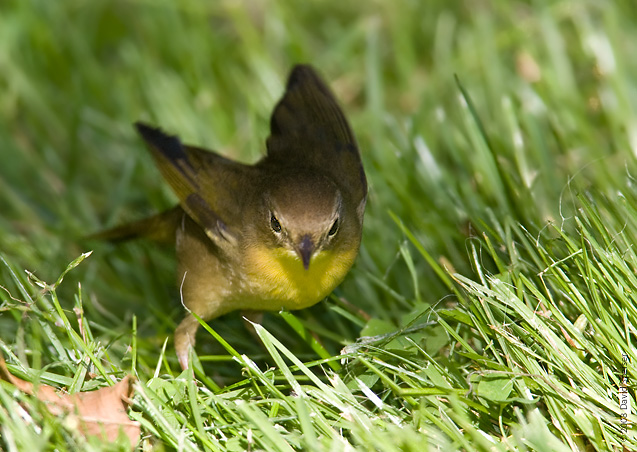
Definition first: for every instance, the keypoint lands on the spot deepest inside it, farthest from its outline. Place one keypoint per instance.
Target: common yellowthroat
(279, 234)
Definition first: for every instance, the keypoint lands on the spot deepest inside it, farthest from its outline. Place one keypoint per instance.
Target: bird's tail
(160, 227)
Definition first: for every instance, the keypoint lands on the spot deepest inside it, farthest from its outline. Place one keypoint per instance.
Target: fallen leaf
(100, 413)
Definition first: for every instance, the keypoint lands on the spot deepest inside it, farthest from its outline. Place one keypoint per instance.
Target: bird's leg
(185, 339)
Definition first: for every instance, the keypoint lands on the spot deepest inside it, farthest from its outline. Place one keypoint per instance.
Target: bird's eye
(334, 228)
(274, 224)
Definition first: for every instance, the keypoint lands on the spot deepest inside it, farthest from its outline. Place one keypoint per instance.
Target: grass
(492, 306)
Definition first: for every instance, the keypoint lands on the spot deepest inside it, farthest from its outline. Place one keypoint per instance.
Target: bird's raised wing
(308, 129)
(210, 187)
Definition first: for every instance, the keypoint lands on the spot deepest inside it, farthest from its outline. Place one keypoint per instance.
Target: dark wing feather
(209, 187)
(308, 129)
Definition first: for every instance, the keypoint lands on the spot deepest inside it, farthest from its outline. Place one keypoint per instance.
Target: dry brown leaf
(100, 413)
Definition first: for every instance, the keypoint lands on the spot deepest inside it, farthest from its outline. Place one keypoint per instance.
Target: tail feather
(160, 227)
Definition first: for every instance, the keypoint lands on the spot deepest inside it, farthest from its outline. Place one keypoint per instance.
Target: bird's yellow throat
(278, 274)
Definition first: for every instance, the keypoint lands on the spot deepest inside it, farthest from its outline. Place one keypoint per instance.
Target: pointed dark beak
(305, 250)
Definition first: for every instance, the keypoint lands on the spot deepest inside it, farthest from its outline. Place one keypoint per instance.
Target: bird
(279, 234)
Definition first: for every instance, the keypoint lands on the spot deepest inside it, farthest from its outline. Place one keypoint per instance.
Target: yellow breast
(277, 276)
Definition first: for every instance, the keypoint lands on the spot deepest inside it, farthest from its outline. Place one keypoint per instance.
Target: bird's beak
(305, 250)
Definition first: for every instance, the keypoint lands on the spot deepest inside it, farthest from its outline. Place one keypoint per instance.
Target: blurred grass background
(499, 141)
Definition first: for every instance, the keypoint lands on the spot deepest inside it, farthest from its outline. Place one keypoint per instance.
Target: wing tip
(302, 73)
(168, 145)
